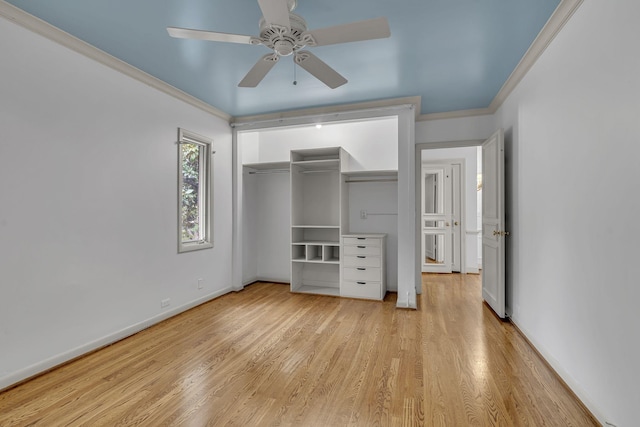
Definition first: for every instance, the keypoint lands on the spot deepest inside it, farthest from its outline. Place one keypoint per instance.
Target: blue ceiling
(454, 54)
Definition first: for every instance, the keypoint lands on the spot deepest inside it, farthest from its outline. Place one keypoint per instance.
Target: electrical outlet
(200, 283)
(363, 214)
(165, 302)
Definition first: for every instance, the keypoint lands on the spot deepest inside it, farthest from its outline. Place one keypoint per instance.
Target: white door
(493, 233)
(456, 217)
(436, 219)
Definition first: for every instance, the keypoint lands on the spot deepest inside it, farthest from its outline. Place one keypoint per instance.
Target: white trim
(454, 114)
(62, 358)
(558, 19)
(556, 22)
(574, 385)
(206, 187)
(246, 122)
(55, 34)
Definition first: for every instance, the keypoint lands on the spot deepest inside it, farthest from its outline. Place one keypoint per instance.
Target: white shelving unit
(318, 194)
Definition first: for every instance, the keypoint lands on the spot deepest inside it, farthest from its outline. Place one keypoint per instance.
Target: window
(194, 192)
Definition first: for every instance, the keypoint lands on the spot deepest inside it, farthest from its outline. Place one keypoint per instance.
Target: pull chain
(295, 79)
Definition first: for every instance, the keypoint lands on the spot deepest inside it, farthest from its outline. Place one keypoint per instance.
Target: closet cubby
(331, 253)
(298, 252)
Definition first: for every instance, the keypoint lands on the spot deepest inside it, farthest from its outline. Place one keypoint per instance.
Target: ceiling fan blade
(275, 12)
(354, 32)
(319, 69)
(257, 73)
(186, 33)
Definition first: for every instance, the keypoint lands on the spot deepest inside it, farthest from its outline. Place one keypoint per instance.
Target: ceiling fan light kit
(286, 34)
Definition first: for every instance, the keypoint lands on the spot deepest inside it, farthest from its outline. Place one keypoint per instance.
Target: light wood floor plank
(265, 357)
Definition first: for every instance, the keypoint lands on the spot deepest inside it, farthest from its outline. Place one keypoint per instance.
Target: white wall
(371, 144)
(378, 199)
(88, 215)
(462, 129)
(469, 155)
(573, 144)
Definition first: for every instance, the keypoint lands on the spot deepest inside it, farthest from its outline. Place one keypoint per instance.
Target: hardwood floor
(265, 356)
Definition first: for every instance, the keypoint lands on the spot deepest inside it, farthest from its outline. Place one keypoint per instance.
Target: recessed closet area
(305, 191)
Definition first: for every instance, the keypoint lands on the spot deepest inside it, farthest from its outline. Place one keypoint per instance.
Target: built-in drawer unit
(361, 261)
(363, 272)
(361, 289)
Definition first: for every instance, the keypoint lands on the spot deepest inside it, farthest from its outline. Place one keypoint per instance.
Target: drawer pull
(361, 283)
(361, 269)
(361, 256)
(361, 247)
(361, 238)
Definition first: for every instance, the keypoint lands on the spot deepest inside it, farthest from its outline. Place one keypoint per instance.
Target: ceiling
(454, 54)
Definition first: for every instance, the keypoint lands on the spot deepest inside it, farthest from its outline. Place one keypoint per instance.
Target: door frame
(462, 235)
(418, 176)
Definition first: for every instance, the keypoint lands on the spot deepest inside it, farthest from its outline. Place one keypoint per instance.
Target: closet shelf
(316, 261)
(316, 226)
(267, 166)
(371, 173)
(311, 165)
(316, 242)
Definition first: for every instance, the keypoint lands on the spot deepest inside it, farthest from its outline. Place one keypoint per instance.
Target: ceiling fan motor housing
(282, 40)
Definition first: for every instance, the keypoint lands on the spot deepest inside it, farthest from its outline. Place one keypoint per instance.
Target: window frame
(205, 190)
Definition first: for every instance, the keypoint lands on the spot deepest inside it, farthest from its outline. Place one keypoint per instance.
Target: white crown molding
(55, 34)
(382, 103)
(454, 114)
(558, 19)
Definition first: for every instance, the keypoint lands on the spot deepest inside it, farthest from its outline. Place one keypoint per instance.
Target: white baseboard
(562, 373)
(48, 364)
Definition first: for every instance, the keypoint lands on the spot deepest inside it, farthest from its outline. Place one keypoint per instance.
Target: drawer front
(362, 289)
(361, 261)
(369, 241)
(362, 250)
(367, 274)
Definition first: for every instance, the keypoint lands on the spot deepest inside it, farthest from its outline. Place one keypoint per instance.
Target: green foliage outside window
(191, 154)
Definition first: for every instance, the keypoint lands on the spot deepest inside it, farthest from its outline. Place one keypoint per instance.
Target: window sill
(190, 247)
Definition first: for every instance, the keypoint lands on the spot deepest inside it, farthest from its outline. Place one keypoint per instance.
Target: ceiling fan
(286, 34)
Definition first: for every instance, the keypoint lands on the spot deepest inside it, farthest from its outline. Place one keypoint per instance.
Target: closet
(304, 189)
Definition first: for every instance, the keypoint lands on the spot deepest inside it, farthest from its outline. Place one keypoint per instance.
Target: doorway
(490, 229)
(447, 200)
(442, 215)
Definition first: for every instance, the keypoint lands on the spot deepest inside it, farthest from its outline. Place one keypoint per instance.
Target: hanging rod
(319, 171)
(266, 171)
(373, 180)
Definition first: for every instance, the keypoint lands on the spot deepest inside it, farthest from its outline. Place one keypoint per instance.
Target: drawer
(369, 241)
(361, 289)
(362, 250)
(367, 274)
(361, 261)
